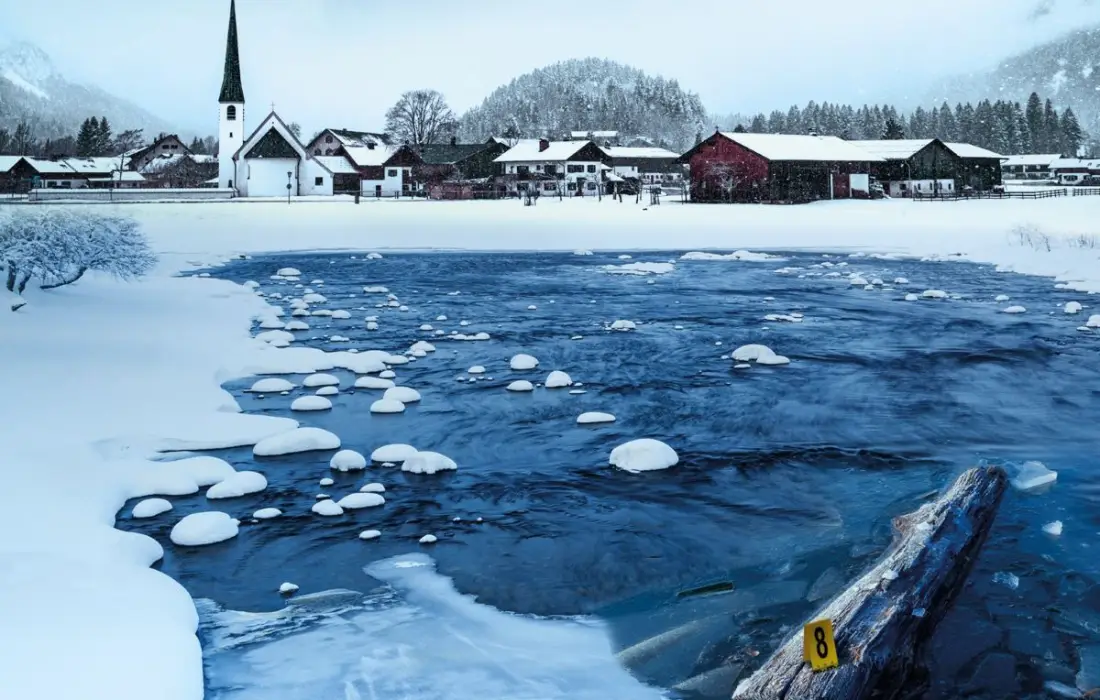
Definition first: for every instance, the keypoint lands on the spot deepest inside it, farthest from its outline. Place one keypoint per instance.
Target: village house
(573, 168)
(19, 174)
(329, 141)
(646, 165)
(1033, 166)
(728, 167)
(163, 147)
(384, 171)
(1074, 171)
(456, 170)
(916, 167)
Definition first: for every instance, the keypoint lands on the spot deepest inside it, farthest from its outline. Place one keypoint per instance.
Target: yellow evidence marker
(818, 645)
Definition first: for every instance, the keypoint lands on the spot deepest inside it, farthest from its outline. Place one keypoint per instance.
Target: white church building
(270, 161)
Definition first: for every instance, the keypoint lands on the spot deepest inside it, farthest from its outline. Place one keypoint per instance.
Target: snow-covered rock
(387, 406)
(150, 507)
(372, 325)
(316, 380)
(369, 534)
(404, 394)
(203, 470)
(595, 417)
(422, 346)
(396, 360)
(737, 255)
(327, 481)
(522, 362)
(271, 385)
(558, 380)
(476, 369)
(1093, 322)
(288, 272)
(1072, 307)
(240, 484)
(428, 539)
(310, 403)
(760, 354)
(208, 527)
(1015, 310)
(347, 460)
(296, 326)
(287, 588)
(341, 315)
(428, 463)
(359, 499)
(1001, 297)
(272, 324)
(314, 298)
(373, 383)
(267, 513)
(643, 455)
(328, 391)
(373, 487)
(387, 374)
(276, 336)
(934, 294)
(900, 280)
(297, 440)
(397, 452)
(327, 507)
(520, 385)
(912, 297)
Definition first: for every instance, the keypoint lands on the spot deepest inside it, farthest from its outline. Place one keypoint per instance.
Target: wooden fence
(1041, 194)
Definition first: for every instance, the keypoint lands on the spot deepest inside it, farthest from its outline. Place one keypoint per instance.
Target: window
(572, 186)
(164, 147)
(538, 167)
(175, 146)
(591, 186)
(574, 168)
(522, 169)
(231, 113)
(316, 151)
(318, 181)
(328, 138)
(550, 169)
(592, 168)
(328, 151)
(230, 134)
(391, 173)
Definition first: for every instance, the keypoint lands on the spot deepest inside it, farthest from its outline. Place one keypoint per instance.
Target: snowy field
(102, 375)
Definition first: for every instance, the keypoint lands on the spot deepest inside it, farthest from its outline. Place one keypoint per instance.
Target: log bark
(880, 621)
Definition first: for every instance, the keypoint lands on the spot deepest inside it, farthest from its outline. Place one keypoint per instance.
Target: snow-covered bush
(56, 246)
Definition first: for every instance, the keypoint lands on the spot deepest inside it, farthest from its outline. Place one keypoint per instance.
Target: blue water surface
(788, 478)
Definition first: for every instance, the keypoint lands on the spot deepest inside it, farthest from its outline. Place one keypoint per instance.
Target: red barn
(735, 167)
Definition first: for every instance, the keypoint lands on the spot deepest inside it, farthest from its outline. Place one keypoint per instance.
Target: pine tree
(893, 130)
(1052, 130)
(1072, 134)
(103, 138)
(1034, 116)
(196, 146)
(758, 125)
(739, 129)
(85, 138)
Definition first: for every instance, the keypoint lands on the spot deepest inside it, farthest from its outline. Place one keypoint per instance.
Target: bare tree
(22, 140)
(421, 117)
(295, 129)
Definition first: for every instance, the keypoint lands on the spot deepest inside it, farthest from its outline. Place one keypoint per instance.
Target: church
(270, 161)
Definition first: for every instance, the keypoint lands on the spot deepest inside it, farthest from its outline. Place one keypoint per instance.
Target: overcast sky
(342, 63)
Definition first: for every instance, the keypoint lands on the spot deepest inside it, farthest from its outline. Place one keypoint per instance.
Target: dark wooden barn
(735, 167)
(923, 167)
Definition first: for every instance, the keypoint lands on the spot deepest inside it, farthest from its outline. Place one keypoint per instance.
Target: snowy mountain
(32, 89)
(589, 94)
(1067, 70)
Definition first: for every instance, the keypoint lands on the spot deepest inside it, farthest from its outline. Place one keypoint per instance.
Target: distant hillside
(32, 89)
(589, 94)
(1067, 70)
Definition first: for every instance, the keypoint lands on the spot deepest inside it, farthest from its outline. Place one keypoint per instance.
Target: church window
(231, 113)
(230, 183)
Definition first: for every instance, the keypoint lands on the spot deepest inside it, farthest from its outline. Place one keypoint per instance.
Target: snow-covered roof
(893, 149)
(528, 151)
(366, 157)
(798, 147)
(1032, 159)
(647, 152)
(203, 158)
(163, 162)
(128, 176)
(337, 165)
(968, 150)
(1069, 164)
(92, 166)
(593, 134)
(8, 162)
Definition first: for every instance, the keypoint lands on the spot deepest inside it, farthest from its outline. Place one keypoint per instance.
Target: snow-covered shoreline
(102, 374)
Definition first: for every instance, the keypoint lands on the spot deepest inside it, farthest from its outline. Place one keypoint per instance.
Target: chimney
(370, 145)
(454, 140)
(543, 145)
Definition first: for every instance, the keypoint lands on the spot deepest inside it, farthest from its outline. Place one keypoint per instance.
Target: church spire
(232, 90)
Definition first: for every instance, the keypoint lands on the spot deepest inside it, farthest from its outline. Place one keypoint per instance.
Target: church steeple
(232, 90)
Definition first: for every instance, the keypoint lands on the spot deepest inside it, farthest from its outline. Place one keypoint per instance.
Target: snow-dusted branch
(58, 245)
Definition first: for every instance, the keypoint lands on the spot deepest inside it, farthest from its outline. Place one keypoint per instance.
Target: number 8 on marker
(818, 645)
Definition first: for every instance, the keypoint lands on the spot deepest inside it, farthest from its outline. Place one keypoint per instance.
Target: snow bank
(741, 255)
(150, 507)
(522, 362)
(204, 528)
(311, 403)
(428, 463)
(595, 417)
(397, 452)
(643, 455)
(240, 484)
(347, 461)
(297, 440)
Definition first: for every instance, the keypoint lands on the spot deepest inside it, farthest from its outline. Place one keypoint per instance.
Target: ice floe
(640, 268)
(760, 354)
(738, 255)
(595, 417)
(622, 325)
(1032, 476)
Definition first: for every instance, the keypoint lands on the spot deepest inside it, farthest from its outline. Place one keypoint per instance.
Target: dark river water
(788, 476)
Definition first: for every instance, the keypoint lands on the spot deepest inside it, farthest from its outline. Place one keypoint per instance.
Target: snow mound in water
(296, 326)
(150, 507)
(912, 297)
(741, 255)
(476, 369)
(520, 385)
(785, 318)
(397, 452)
(623, 325)
(1001, 297)
(375, 289)
(640, 268)
(240, 484)
(644, 455)
(428, 463)
(396, 360)
(327, 507)
(403, 394)
(1032, 476)
(272, 323)
(522, 362)
(582, 252)
(204, 528)
(359, 499)
(558, 380)
(316, 380)
(370, 534)
(203, 470)
(900, 280)
(1072, 307)
(934, 294)
(328, 391)
(267, 513)
(297, 440)
(374, 487)
(422, 346)
(314, 298)
(288, 272)
(374, 256)
(347, 460)
(373, 383)
(760, 354)
(271, 385)
(595, 417)
(1053, 529)
(1093, 322)
(310, 403)
(1015, 310)
(276, 336)
(341, 315)
(387, 406)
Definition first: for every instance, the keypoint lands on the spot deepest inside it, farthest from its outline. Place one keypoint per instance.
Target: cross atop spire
(232, 90)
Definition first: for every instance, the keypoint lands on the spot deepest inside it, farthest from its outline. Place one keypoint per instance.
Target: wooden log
(881, 619)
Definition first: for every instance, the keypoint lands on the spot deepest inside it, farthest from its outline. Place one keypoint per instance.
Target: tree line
(1002, 126)
(95, 137)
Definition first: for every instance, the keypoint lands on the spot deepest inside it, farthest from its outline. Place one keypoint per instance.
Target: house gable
(590, 152)
(272, 124)
(271, 145)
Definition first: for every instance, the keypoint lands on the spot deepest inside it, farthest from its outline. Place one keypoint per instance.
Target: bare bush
(56, 246)
(1084, 240)
(1029, 235)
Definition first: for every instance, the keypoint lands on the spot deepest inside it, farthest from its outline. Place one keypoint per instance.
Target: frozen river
(787, 481)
